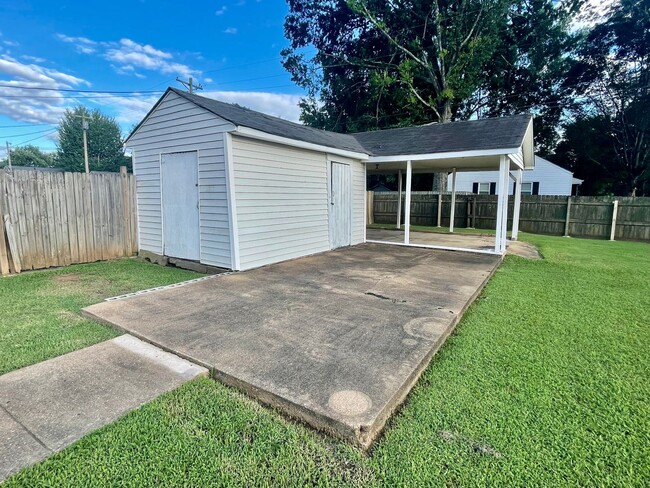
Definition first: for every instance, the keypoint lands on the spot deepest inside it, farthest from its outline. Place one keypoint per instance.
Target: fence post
(4, 252)
(474, 203)
(439, 209)
(399, 199)
(568, 217)
(370, 207)
(614, 213)
(126, 210)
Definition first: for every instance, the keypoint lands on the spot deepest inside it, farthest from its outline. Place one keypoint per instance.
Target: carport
(506, 145)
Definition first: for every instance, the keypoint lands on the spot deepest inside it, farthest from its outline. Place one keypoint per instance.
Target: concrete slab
(480, 242)
(467, 241)
(336, 339)
(48, 406)
(19, 447)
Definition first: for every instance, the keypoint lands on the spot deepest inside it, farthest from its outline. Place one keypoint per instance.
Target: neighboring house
(379, 187)
(234, 188)
(545, 179)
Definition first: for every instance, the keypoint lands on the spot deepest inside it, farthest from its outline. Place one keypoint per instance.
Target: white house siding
(552, 179)
(281, 199)
(178, 125)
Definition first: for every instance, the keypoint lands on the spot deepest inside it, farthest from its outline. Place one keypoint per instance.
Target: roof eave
(443, 155)
(265, 136)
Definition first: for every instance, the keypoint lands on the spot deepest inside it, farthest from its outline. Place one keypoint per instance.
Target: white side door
(340, 210)
(180, 205)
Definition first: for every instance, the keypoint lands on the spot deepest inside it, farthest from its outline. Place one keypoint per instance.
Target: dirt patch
(524, 250)
(93, 286)
(67, 278)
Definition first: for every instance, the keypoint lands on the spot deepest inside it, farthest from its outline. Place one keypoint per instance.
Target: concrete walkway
(50, 405)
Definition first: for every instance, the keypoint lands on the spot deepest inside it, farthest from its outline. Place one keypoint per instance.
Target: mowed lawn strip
(544, 383)
(40, 310)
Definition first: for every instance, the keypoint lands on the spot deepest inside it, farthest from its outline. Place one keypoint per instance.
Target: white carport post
(399, 198)
(452, 214)
(502, 206)
(407, 204)
(517, 204)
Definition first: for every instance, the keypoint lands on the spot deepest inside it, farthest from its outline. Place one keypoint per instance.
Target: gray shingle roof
(273, 125)
(472, 135)
(469, 135)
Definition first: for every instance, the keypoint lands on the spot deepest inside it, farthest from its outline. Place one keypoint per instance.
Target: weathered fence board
(56, 219)
(588, 216)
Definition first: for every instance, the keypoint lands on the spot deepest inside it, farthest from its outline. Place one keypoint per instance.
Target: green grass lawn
(544, 383)
(40, 310)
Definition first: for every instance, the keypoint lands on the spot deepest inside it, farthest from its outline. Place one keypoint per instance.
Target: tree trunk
(440, 179)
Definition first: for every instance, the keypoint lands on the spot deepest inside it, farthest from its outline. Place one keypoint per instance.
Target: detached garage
(230, 187)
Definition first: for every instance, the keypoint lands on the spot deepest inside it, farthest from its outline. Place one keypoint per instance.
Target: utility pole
(84, 126)
(8, 155)
(84, 123)
(190, 85)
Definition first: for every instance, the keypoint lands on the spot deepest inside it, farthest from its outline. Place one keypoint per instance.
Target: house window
(527, 188)
(483, 189)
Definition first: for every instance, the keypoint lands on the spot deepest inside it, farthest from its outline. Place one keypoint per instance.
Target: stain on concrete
(428, 328)
(349, 402)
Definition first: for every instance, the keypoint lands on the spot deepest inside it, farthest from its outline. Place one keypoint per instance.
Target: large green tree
(612, 76)
(386, 63)
(105, 151)
(530, 67)
(29, 156)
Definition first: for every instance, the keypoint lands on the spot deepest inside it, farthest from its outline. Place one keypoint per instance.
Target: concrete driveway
(335, 339)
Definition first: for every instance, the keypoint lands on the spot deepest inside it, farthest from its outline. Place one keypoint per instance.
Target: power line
(22, 125)
(29, 133)
(33, 139)
(71, 90)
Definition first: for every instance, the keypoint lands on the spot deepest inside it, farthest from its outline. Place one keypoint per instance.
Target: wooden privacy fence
(554, 215)
(56, 218)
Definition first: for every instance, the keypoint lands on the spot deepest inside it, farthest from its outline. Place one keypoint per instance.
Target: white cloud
(221, 11)
(277, 104)
(81, 44)
(32, 103)
(128, 56)
(128, 110)
(131, 110)
(143, 56)
(230, 30)
(34, 59)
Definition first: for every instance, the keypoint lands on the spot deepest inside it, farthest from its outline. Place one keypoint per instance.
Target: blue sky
(230, 46)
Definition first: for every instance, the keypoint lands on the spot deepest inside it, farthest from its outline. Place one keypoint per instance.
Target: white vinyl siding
(552, 179)
(281, 199)
(178, 125)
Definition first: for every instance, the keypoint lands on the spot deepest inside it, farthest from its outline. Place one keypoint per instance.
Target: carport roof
(454, 137)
